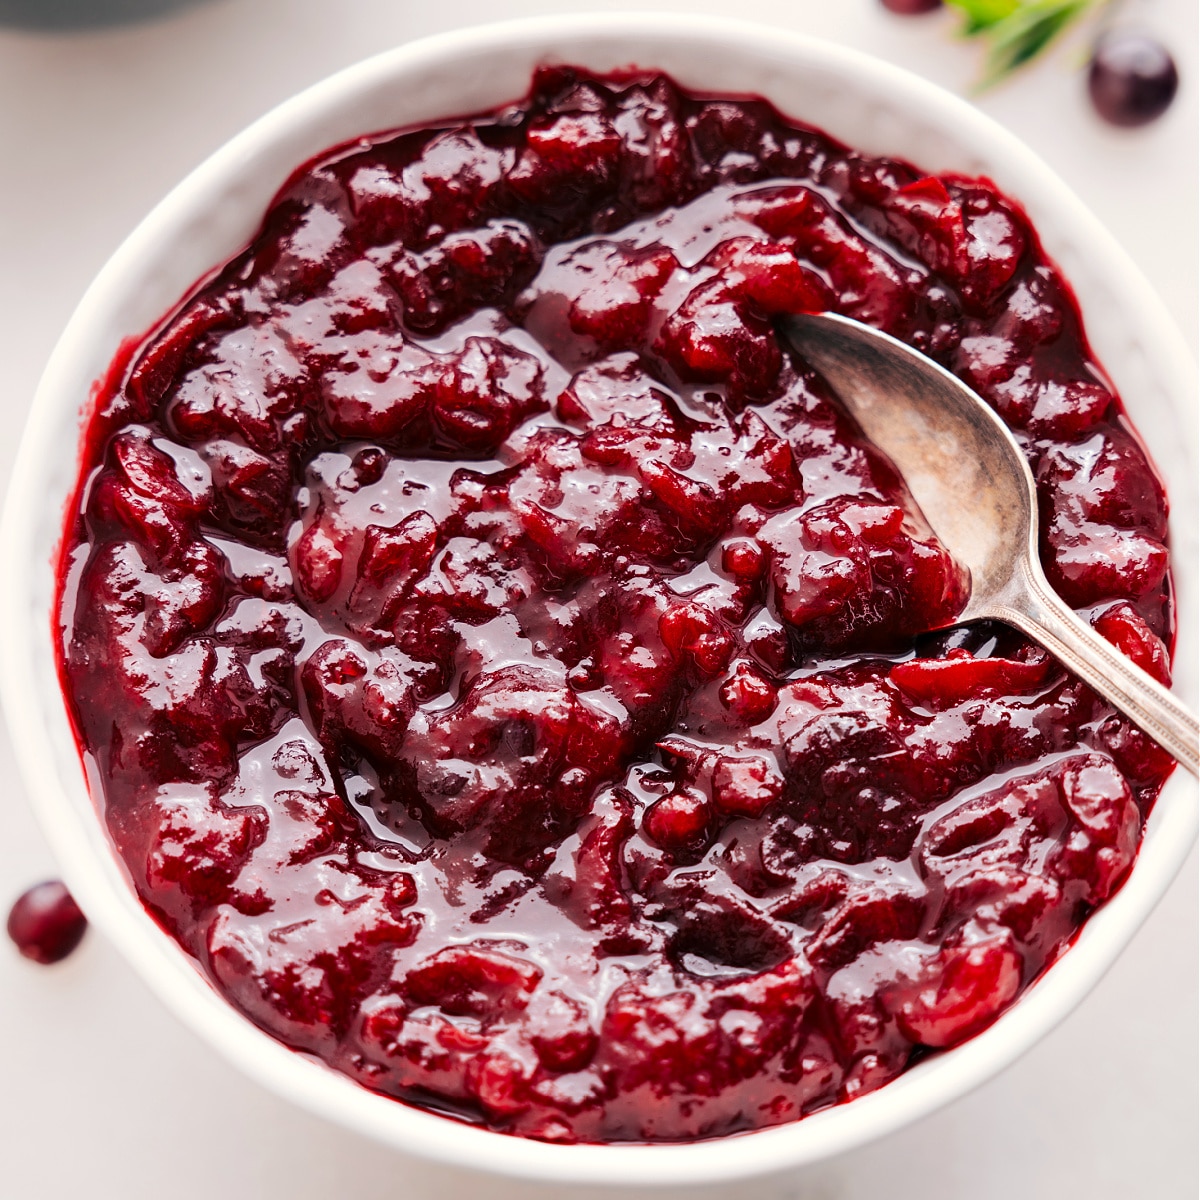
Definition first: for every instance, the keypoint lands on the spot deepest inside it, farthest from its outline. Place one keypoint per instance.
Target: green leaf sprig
(1016, 31)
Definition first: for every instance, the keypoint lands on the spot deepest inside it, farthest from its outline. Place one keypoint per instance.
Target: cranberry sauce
(506, 668)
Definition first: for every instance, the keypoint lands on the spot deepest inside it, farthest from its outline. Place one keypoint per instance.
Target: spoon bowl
(970, 478)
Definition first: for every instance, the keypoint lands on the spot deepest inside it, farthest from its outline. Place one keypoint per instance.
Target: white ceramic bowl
(208, 217)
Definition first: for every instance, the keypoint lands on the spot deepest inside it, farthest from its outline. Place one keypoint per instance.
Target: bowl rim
(91, 869)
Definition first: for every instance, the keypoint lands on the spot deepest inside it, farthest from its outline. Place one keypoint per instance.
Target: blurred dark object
(910, 8)
(1132, 78)
(84, 14)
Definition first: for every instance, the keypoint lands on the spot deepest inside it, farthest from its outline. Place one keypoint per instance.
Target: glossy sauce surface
(507, 670)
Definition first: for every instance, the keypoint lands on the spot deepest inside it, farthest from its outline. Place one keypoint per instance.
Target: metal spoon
(972, 482)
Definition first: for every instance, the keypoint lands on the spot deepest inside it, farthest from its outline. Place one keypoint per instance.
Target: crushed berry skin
(507, 670)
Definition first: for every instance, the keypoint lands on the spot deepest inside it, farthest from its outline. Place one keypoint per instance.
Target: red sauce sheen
(507, 671)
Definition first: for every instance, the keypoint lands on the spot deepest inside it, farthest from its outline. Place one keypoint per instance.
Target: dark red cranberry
(743, 559)
(678, 820)
(45, 922)
(1132, 79)
(911, 8)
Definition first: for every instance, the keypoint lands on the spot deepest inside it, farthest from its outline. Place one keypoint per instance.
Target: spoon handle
(1038, 612)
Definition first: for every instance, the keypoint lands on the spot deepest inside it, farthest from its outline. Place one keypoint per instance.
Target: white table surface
(102, 1092)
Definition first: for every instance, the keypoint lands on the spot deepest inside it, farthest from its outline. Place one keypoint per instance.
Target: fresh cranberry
(1132, 78)
(910, 8)
(45, 923)
(679, 820)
